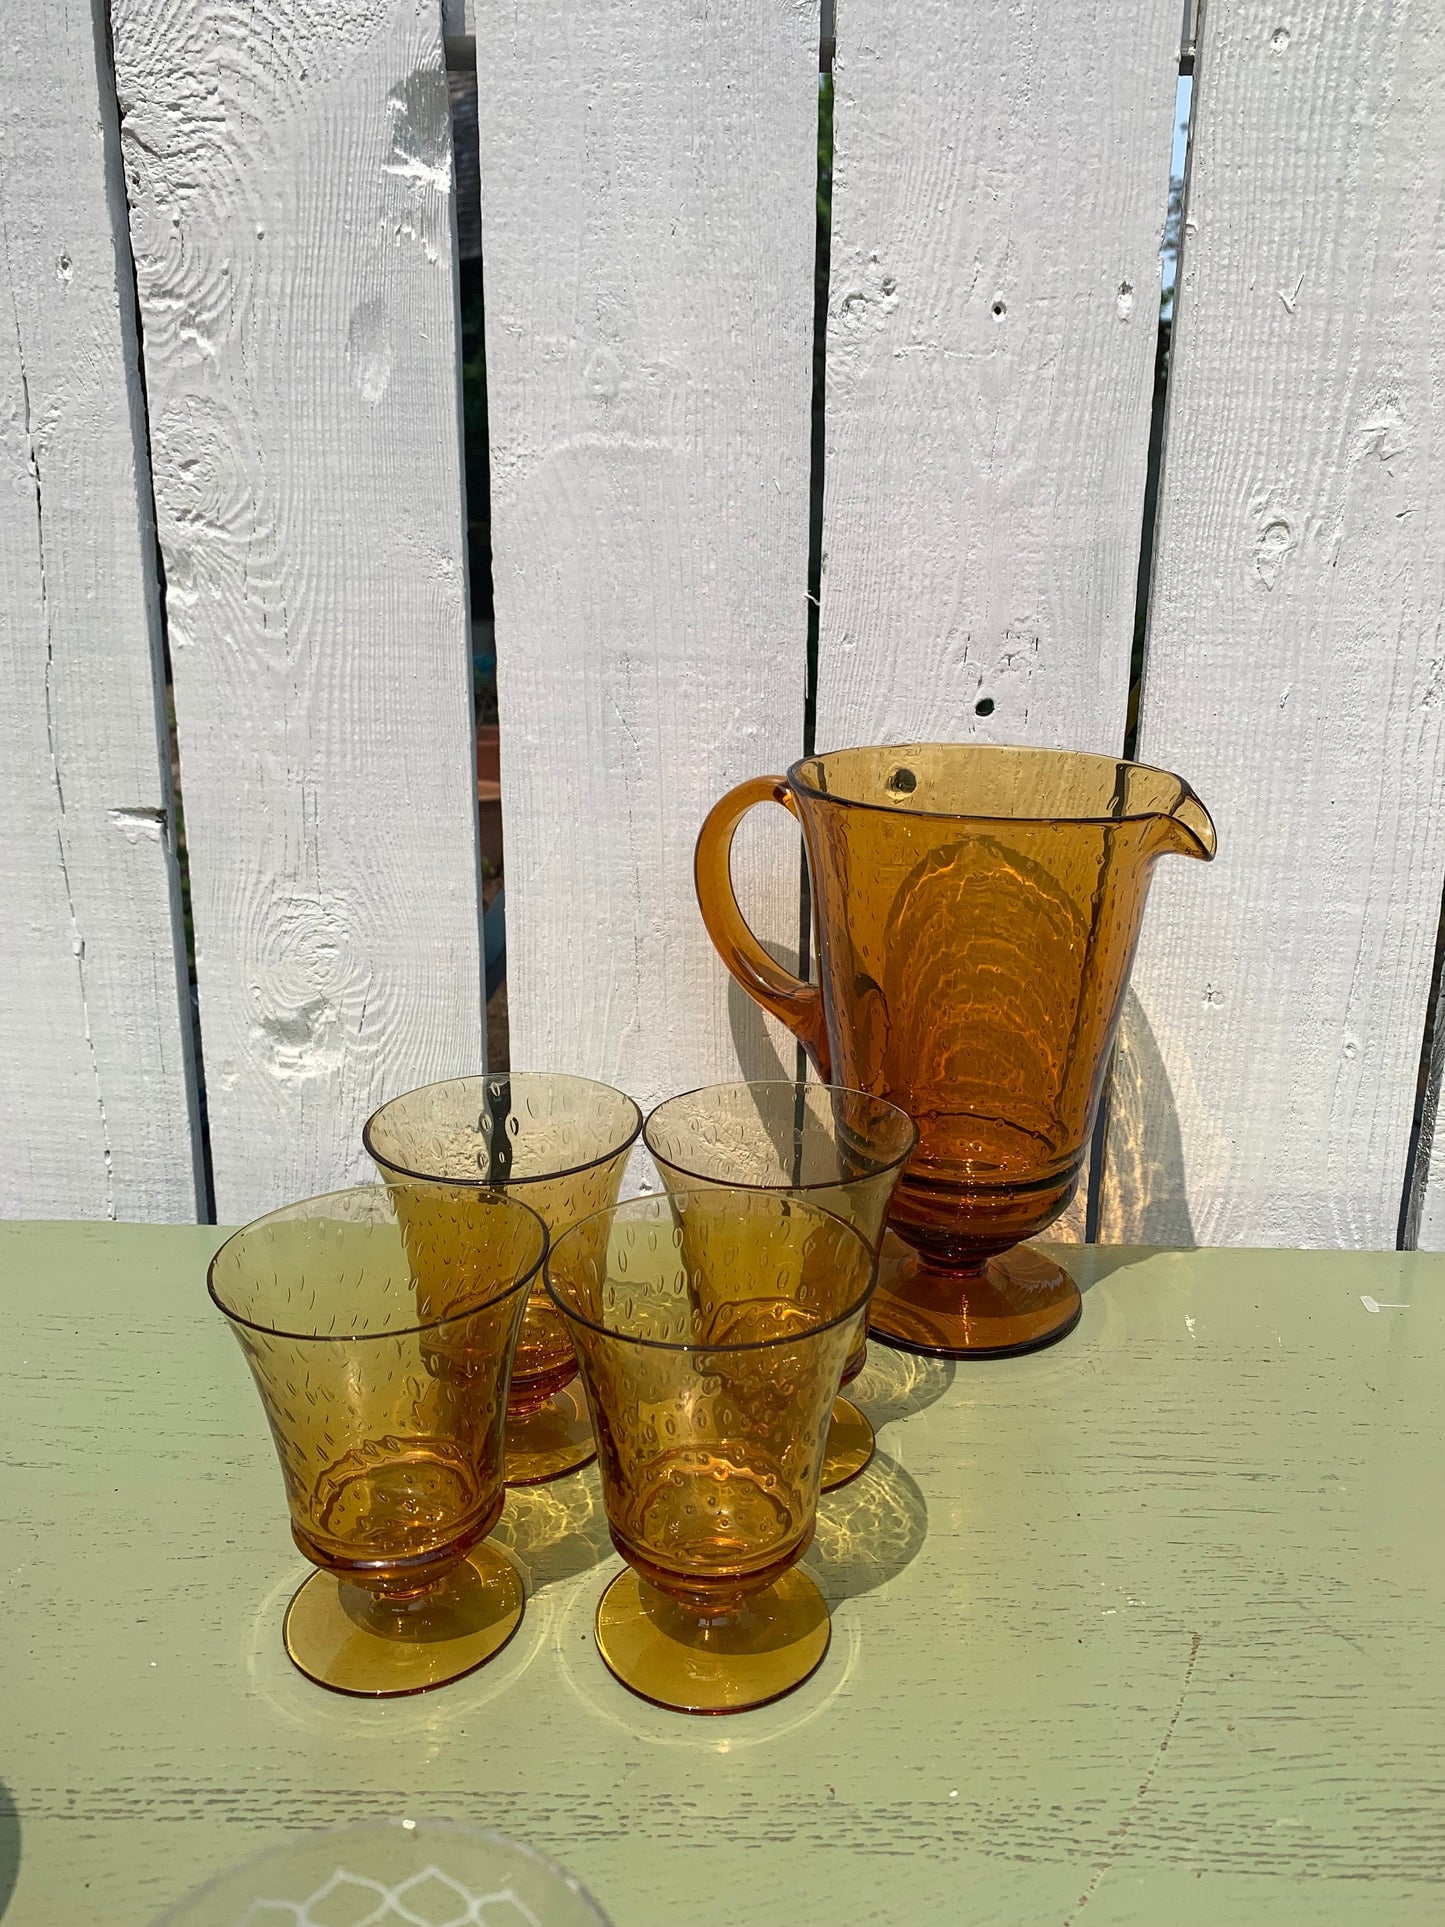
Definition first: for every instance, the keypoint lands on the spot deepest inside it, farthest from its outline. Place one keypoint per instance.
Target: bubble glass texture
(712, 1328)
(561, 1145)
(836, 1148)
(381, 1353)
(976, 911)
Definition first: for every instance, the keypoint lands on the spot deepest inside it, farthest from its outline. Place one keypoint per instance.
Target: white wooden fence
(229, 420)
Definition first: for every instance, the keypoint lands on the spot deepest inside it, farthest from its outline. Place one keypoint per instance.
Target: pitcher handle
(793, 1002)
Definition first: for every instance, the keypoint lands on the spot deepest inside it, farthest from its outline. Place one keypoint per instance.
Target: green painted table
(1146, 1628)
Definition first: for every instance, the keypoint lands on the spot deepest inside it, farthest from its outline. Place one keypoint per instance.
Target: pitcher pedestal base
(1020, 1300)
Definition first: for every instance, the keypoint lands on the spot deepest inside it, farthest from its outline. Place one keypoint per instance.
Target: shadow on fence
(1145, 1199)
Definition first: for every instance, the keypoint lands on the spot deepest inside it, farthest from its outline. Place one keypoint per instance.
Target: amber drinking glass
(836, 1148)
(381, 1353)
(976, 912)
(712, 1328)
(558, 1143)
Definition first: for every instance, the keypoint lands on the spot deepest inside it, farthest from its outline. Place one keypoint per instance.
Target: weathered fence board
(647, 203)
(289, 168)
(1265, 1087)
(1000, 180)
(96, 1107)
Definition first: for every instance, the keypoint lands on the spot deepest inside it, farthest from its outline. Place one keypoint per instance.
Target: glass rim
(785, 1084)
(427, 1825)
(502, 1184)
(1031, 750)
(282, 1213)
(692, 1345)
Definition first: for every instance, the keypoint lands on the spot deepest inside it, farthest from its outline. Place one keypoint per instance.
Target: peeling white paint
(144, 820)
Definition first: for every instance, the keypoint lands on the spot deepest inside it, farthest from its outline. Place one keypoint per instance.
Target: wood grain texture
(1295, 658)
(648, 212)
(1140, 1629)
(999, 187)
(96, 1105)
(289, 167)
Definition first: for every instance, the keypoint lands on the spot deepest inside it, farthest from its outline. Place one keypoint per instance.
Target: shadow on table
(868, 1532)
(556, 1531)
(9, 1845)
(1090, 1265)
(895, 1385)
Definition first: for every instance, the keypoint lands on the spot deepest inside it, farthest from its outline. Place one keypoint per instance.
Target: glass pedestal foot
(551, 1441)
(675, 1656)
(849, 1446)
(1015, 1303)
(351, 1641)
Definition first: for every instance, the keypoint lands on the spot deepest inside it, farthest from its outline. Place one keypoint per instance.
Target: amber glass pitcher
(976, 911)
